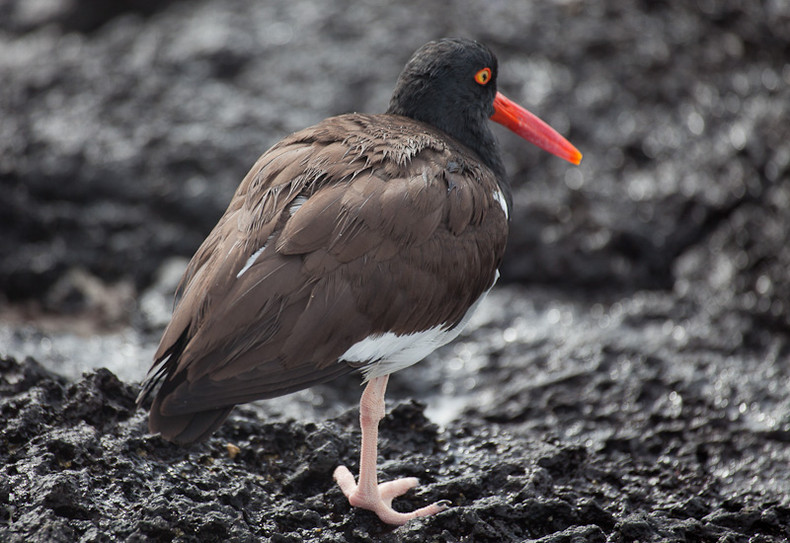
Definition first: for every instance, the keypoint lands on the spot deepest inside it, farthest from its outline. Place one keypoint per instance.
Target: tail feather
(181, 429)
(163, 367)
(187, 428)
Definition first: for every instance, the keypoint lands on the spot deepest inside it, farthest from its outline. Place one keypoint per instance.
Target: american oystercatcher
(362, 243)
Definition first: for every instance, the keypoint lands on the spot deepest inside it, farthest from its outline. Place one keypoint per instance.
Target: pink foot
(380, 500)
(369, 494)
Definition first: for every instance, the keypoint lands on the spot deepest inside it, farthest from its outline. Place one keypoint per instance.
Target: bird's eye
(482, 77)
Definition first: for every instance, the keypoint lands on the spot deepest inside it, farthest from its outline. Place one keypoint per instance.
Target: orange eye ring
(482, 77)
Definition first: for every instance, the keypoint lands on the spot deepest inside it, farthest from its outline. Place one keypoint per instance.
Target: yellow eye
(483, 76)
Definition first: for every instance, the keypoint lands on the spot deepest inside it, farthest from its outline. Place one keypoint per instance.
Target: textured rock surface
(632, 382)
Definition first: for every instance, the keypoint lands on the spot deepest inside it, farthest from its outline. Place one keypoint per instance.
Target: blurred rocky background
(630, 379)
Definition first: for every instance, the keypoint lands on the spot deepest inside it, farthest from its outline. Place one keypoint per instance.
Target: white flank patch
(387, 353)
(499, 196)
(251, 261)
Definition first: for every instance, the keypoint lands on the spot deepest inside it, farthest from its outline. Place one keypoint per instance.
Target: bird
(359, 244)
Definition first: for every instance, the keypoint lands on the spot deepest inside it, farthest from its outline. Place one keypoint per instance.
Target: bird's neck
(475, 132)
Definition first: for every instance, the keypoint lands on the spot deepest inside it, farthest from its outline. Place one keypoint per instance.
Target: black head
(451, 84)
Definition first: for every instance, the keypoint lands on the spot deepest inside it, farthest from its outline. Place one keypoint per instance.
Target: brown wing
(358, 227)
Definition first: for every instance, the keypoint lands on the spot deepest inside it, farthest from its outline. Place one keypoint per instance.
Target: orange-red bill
(517, 119)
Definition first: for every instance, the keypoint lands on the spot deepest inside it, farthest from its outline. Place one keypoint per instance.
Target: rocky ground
(629, 380)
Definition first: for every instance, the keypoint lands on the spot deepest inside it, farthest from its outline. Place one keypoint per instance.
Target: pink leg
(369, 494)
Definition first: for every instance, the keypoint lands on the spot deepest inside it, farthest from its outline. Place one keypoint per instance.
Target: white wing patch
(296, 204)
(251, 260)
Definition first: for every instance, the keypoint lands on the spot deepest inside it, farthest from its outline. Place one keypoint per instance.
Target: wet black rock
(89, 473)
(631, 382)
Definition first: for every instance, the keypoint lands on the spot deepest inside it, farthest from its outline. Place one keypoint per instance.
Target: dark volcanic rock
(631, 383)
(99, 477)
